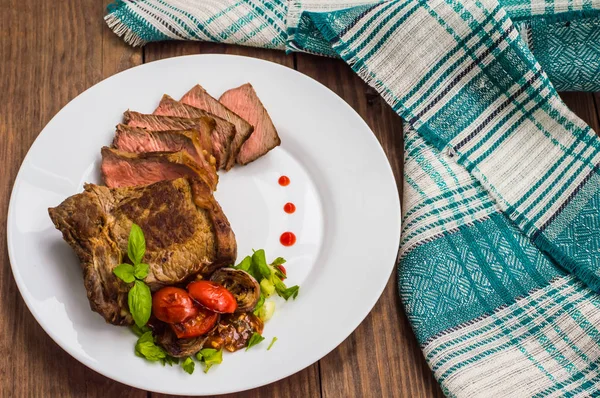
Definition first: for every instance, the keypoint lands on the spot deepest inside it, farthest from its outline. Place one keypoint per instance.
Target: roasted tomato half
(213, 296)
(173, 305)
(201, 324)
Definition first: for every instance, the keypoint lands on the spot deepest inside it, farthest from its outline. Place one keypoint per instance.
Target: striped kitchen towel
(500, 250)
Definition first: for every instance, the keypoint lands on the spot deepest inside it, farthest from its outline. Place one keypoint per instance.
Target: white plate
(347, 222)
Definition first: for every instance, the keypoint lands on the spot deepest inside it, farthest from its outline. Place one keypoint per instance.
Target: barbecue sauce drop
(287, 239)
(289, 208)
(284, 181)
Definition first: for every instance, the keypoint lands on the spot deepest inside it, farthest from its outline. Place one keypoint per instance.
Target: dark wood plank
(52, 52)
(305, 383)
(583, 106)
(381, 358)
(156, 51)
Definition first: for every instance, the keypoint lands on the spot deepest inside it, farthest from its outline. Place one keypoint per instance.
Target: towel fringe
(122, 30)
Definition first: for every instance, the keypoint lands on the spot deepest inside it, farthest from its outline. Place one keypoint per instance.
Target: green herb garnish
(254, 340)
(210, 357)
(139, 297)
(146, 348)
(188, 365)
(272, 342)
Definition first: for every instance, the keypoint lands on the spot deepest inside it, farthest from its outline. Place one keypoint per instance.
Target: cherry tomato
(173, 305)
(201, 324)
(213, 296)
(283, 271)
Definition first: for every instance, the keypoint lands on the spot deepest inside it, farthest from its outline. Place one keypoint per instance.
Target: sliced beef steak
(138, 140)
(199, 98)
(126, 169)
(205, 125)
(244, 101)
(185, 229)
(222, 135)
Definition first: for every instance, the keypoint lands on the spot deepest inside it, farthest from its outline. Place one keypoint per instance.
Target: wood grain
(381, 358)
(53, 52)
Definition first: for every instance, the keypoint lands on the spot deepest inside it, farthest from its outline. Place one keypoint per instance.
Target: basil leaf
(124, 272)
(272, 342)
(210, 357)
(188, 365)
(260, 262)
(245, 264)
(139, 300)
(136, 246)
(139, 331)
(140, 271)
(290, 292)
(146, 348)
(278, 261)
(254, 340)
(259, 304)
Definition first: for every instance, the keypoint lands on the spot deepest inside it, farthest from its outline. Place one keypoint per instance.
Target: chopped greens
(254, 340)
(188, 365)
(146, 348)
(272, 342)
(210, 357)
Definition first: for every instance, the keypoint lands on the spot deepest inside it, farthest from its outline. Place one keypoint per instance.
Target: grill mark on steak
(199, 98)
(186, 234)
(244, 101)
(122, 169)
(222, 135)
(139, 140)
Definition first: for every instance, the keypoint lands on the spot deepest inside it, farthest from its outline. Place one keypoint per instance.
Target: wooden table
(52, 51)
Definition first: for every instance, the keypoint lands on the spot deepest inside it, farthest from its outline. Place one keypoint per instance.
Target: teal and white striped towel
(500, 250)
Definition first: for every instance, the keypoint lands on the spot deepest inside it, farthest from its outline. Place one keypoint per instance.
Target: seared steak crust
(186, 234)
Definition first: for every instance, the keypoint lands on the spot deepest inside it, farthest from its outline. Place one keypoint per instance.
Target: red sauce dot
(284, 181)
(287, 239)
(289, 208)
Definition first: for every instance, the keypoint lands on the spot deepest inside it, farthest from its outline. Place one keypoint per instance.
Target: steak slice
(138, 140)
(185, 229)
(222, 134)
(204, 125)
(199, 98)
(126, 169)
(244, 101)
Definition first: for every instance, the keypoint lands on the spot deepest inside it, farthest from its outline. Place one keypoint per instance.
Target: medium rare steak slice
(244, 101)
(199, 98)
(126, 169)
(222, 135)
(185, 229)
(204, 125)
(138, 140)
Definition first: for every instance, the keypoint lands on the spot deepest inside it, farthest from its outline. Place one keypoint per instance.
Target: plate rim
(320, 354)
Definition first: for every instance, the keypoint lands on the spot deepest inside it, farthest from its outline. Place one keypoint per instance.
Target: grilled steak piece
(126, 169)
(244, 101)
(222, 135)
(204, 125)
(138, 140)
(185, 229)
(199, 98)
